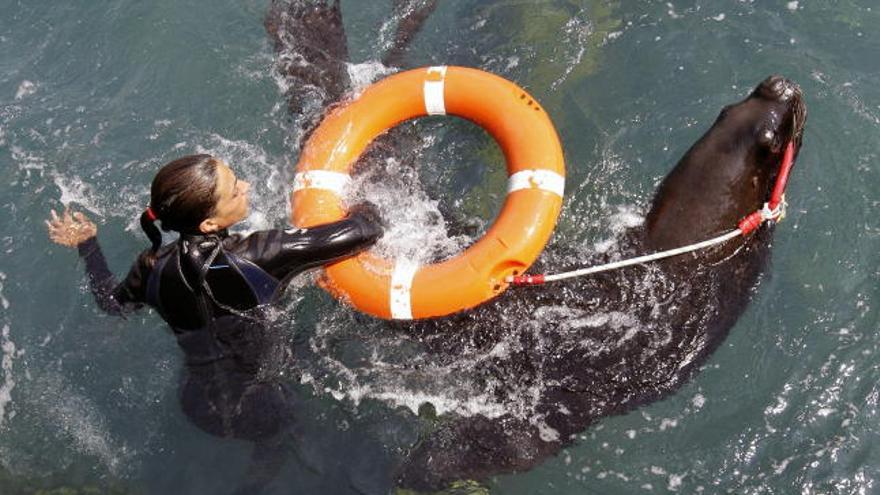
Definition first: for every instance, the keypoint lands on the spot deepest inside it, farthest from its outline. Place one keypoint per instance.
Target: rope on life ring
(401, 289)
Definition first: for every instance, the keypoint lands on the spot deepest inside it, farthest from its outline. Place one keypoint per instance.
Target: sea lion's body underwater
(558, 357)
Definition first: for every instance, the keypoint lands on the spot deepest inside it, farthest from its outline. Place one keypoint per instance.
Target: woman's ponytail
(148, 224)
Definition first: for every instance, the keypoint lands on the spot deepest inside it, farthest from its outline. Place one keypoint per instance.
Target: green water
(94, 96)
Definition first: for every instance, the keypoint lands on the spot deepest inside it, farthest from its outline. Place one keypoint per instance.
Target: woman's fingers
(70, 227)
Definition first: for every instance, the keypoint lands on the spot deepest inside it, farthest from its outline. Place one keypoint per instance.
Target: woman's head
(196, 194)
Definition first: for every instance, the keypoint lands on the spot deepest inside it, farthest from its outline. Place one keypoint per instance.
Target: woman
(213, 288)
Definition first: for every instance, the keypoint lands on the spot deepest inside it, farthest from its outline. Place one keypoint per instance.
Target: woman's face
(232, 201)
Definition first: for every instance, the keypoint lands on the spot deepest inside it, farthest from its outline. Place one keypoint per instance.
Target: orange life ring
(535, 166)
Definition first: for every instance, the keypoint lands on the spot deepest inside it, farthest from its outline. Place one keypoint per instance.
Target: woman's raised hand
(70, 229)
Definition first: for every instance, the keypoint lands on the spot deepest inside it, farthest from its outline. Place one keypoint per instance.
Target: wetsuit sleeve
(112, 298)
(285, 253)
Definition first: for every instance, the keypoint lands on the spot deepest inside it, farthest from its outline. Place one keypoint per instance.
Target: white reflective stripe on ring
(435, 102)
(401, 289)
(321, 179)
(537, 179)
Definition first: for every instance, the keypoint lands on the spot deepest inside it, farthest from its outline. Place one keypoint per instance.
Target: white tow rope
(759, 217)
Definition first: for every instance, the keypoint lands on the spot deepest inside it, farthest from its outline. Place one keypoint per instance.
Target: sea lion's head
(774, 113)
(730, 172)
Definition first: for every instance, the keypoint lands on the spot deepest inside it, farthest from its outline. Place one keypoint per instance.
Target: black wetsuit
(213, 290)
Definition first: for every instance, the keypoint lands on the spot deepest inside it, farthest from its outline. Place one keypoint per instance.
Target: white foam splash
(3, 301)
(10, 353)
(675, 481)
(667, 423)
(27, 161)
(443, 403)
(576, 35)
(80, 418)
(779, 467)
(466, 383)
(625, 218)
(254, 67)
(448, 387)
(387, 32)
(159, 127)
(416, 229)
(366, 73)
(26, 88)
(545, 432)
(75, 190)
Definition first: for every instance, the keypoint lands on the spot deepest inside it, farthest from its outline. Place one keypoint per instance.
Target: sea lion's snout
(778, 88)
(786, 105)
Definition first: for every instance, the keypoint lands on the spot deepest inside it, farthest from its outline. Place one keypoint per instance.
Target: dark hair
(182, 195)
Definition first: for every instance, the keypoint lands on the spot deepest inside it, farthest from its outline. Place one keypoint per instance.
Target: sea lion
(599, 346)
(554, 359)
(312, 49)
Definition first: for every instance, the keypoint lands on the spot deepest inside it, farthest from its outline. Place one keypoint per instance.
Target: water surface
(94, 96)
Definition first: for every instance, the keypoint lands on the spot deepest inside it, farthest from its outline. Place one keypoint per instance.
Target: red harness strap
(770, 210)
(782, 178)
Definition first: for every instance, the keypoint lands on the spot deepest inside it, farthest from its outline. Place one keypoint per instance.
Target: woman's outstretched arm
(74, 229)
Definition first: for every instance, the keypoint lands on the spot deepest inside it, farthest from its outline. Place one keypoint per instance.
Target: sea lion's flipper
(412, 14)
(312, 48)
